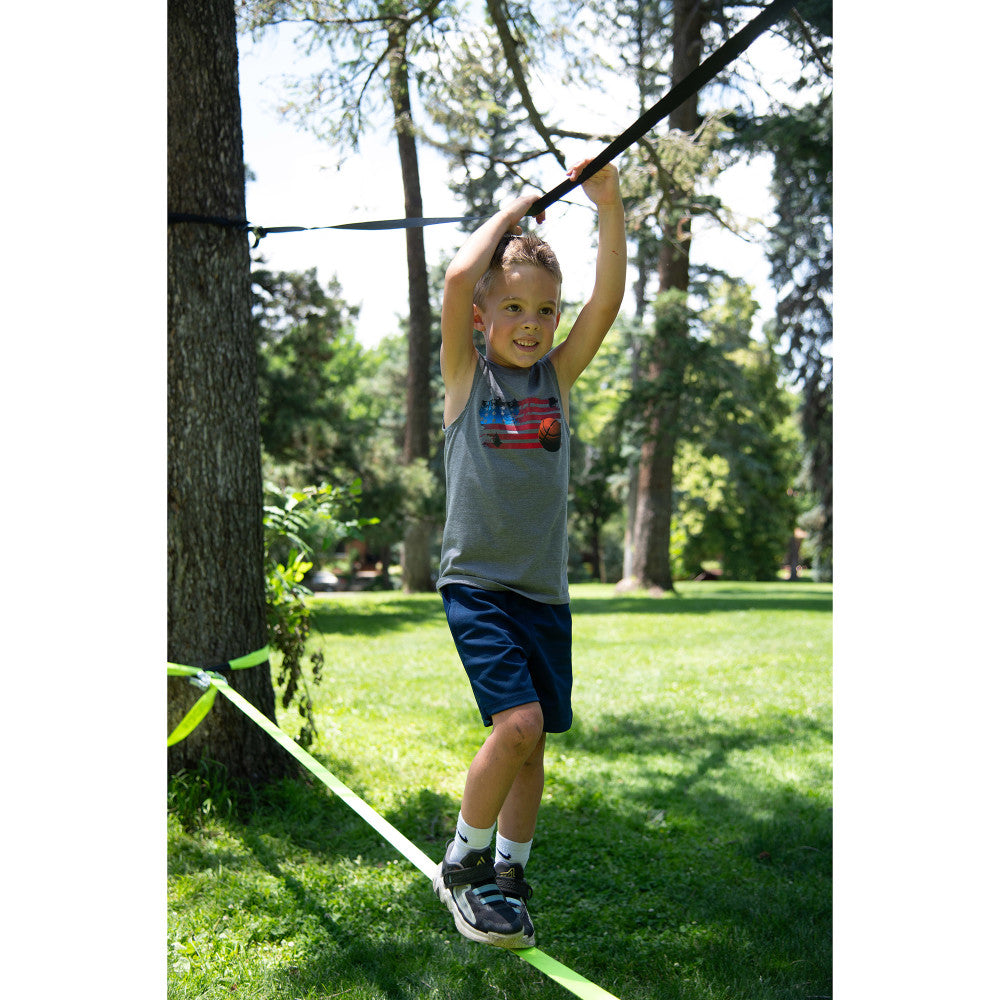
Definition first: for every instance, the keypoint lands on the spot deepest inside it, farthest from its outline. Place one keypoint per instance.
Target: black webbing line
(260, 232)
(689, 86)
(215, 220)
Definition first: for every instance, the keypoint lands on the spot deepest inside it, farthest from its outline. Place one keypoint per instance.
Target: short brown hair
(512, 250)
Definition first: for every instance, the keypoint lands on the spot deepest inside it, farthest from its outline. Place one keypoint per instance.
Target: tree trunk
(597, 551)
(416, 447)
(216, 606)
(650, 564)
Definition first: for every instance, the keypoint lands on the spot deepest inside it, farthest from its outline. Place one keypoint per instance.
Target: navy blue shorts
(515, 651)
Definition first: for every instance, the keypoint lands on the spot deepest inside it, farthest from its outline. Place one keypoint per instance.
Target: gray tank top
(506, 461)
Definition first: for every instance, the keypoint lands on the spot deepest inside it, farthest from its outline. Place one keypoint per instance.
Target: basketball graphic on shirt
(550, 433)
(531, 423)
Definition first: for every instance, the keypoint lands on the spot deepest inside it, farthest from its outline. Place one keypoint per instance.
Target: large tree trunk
(216, 606)
(416, 543)
(654, 505)
(650, 565)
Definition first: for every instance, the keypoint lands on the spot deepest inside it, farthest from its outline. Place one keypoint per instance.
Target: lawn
(683, 848)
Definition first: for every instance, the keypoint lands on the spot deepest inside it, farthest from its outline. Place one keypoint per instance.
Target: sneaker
(517, 892)
(480, 910)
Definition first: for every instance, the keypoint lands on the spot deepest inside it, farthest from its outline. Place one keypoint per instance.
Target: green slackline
(203, 678)
(556, 971)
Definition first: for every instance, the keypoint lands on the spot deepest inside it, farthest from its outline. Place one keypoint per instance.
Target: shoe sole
(509, 941)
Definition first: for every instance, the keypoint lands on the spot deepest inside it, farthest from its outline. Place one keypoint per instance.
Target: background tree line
(692, 457)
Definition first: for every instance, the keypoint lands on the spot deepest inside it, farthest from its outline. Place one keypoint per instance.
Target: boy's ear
(478, 323)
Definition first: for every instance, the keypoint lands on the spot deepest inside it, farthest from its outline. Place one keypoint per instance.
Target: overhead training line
(210, 679)
(260, 232)
(688, 87)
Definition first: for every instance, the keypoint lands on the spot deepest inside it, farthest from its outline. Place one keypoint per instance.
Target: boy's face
(520, 316)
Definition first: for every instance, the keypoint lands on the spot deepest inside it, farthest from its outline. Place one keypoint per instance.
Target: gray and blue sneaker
(517, 892)
(481, 912)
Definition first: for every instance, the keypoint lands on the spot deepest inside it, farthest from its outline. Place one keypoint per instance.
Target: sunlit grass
(683, 848)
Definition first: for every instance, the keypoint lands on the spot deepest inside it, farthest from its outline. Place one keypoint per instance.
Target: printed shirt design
(527, 423)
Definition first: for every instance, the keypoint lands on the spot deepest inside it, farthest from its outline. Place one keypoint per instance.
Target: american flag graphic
(514, 423)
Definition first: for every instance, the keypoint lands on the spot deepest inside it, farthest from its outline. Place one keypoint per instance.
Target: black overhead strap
(689, 86)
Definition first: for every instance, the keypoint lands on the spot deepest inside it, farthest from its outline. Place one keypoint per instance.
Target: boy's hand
(518, 209)
(602, 188)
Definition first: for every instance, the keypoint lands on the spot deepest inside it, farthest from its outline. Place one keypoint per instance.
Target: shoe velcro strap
(480, 875)
(514, 887)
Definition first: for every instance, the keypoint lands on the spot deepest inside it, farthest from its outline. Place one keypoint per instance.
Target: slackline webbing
(556, 971)
(688, 87)
(201, 677)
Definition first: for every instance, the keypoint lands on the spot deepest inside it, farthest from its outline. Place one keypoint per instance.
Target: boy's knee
(521, 727)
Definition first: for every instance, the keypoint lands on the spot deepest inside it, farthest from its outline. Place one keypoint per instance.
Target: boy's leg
(517, 736)
(519, 812)
(466, 881)
(515, 831)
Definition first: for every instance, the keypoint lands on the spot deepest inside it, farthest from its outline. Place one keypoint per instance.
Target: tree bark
(650, 564)
(216, 605)
(416, 446)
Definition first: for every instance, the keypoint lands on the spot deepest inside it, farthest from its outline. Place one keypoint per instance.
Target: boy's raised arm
(467, 267)
(573, 355)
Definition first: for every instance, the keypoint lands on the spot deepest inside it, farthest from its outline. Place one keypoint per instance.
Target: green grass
(683, 848)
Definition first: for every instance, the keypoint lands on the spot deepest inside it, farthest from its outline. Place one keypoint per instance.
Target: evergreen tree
(746, 435)
(474, 104)
(372, 49)
(309, 363)
(800, 250)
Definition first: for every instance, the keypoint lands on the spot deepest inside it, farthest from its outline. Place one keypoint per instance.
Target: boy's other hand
(602, 188)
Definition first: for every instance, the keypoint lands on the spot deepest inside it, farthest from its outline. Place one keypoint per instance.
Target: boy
(503, 558)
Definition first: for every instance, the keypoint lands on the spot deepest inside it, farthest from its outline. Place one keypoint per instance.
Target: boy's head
(516, 302)
(511, 251)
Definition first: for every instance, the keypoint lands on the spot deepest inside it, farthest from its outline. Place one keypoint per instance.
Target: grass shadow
(380, 615)
(669, 877)
(646, 734)
(374, 926)
(375, 617)
(719, 601)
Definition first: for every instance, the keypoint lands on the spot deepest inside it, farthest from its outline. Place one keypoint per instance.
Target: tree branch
(510, 163)
(810, 41)
(564, 133)
(498, 13)
(427, 12)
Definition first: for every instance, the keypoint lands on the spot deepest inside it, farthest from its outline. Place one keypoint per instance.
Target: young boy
(503, 558)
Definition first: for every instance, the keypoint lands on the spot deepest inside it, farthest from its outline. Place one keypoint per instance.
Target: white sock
(468, 838)
(511, 852)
